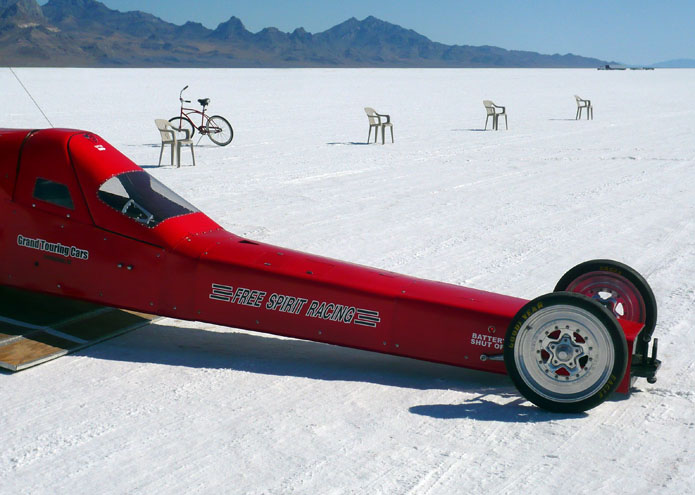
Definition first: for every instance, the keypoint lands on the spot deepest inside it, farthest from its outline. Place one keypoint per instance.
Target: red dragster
(81, 220)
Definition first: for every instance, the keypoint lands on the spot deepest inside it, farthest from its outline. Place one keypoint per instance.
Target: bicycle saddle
(204, 101)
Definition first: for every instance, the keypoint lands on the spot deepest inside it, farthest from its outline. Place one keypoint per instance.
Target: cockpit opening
(143, 198)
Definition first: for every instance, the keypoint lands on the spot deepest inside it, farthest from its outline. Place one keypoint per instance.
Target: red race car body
(81, 220)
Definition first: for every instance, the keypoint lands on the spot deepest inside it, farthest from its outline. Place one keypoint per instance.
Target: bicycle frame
(203, 118)
(186, 112)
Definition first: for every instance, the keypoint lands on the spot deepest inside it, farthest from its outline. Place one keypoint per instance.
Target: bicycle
(216, 127)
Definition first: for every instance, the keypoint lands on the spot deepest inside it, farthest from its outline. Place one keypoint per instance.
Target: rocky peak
(21, 12)
(369, 31)
(232, 29)
(57, 10)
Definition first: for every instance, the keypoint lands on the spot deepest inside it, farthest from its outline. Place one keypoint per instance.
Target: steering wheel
(141, 216)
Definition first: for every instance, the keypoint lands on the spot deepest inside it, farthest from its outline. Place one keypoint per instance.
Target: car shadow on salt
(481, 409)
(222, 348)
(495, 398)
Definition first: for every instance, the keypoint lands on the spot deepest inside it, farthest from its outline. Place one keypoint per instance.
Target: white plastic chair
(581, 104)
(168, 134)
(494, 111)
(376, 123)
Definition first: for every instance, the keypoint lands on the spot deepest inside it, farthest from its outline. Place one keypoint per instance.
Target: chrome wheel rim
(564, 353)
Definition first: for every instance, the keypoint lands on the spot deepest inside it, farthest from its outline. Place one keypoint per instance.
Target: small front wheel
(219, 130)
(565, 352)
(182, 124)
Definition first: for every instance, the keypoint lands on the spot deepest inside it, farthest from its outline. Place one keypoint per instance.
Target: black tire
(620, 288)
(219, 130)
(181, 123)
(565, 352)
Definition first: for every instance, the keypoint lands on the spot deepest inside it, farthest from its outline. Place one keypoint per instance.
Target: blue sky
(628, 31)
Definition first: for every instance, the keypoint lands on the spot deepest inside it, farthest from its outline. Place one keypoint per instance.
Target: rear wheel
(618, 287)
(565, 352)
(219, 130)
(182, 124)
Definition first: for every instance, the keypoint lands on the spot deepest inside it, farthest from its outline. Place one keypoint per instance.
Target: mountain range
(680, 63)
(86, 33)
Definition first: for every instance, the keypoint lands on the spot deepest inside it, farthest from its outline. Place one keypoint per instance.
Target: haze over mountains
(680, 63)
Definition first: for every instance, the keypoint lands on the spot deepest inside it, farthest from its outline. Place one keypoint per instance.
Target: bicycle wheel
(182, 124)
(219, 130)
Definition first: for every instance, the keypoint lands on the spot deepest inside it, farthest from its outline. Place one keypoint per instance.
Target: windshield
(143, 198)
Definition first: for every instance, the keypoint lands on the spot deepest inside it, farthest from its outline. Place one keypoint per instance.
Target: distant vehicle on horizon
(612, 67)
(622, 67)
